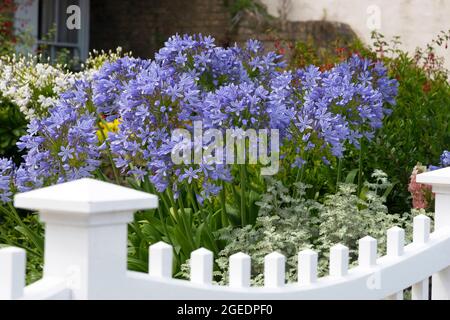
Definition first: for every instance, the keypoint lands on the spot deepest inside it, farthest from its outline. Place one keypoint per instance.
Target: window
(54, 36)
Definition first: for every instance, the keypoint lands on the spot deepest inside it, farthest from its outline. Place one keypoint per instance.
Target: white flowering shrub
(97, 58)
(31, 85)
(34, 86)
(28, 88)
(289, 223)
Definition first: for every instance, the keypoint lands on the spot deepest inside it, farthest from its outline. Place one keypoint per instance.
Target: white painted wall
(416, 21)
(26, 20)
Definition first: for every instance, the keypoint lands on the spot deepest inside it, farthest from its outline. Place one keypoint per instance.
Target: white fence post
(307, 266)
(201, 264)
(421, 234)
(440, 180)
(367, 255)
(274, 270)
(160, 260)
(240, 270)
(12, 273)
(339, 260)
(86, 233)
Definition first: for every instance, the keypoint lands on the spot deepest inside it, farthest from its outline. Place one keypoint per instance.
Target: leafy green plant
(305, 53)
(183, 223)
(12, 127)
(289, 222)
(418, 128)
(24, 230)
(7, 37)
(237, 9)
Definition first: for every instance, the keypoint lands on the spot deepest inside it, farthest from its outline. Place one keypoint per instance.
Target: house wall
(417, 22)
(143, 26)
(26, 20)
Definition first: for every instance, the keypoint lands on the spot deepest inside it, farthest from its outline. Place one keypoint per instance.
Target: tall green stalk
(360, 164)
(224, 218)
(193, 191)
(108, 152)
(243, 197)
(339, 172)
(187, 229)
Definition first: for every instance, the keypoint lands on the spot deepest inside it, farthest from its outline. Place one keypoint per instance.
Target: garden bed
(317, 142)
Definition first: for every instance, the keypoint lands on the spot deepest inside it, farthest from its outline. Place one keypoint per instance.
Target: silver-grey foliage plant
(288, 223)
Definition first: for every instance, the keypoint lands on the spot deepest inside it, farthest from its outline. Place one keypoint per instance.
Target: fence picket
(240, 269)
(85, 256)
(367, 256)
(421, 229)
(420, 290)
(421, 235)
(12, 272)
(339, 256)
(201, 266)
(274, 270)
(395, 241)
(395, 296)
(307, 266)
(395, 248)
(440, 182)
(160, 260)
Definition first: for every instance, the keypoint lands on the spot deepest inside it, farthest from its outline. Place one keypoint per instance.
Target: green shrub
(12, 127)
(23, 230)
(290, 223)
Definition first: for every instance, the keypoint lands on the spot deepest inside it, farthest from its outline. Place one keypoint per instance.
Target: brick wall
(143, 25)
(322, 33)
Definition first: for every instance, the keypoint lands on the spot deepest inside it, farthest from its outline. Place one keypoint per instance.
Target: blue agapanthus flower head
(6, 177)
(111, 80)
(213, 66)
(445, 158)
(62, 146)
(192, 80)
(342, 105)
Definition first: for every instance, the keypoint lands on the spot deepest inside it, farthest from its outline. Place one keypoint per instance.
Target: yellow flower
(106, 128)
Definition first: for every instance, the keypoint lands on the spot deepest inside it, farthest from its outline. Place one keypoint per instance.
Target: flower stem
(223, 200)
(207, 226)
(192, 197)
(187, 229)
(339, 172)
(243, 190)
(108, 151)
(360, 166)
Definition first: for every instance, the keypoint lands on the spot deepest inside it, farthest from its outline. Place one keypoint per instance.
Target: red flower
(326, 66)
(426, 87)
(279, 48)
(7, 24)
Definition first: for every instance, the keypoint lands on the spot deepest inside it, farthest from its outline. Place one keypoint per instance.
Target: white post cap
(85, 198)
(436, 178)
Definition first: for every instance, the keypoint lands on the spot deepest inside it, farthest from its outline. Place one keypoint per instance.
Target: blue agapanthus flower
(6, 177)
(214, 66)
(192, 80)
(341, 105)
(62, 146)
(445, 158)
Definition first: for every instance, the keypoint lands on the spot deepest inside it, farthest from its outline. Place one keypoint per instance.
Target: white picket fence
(86, 255)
